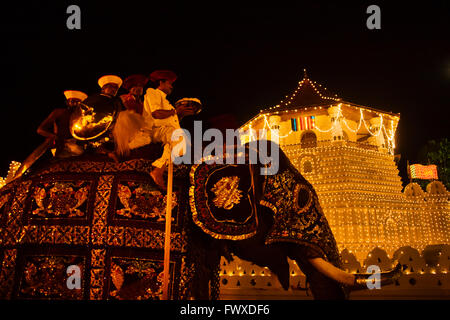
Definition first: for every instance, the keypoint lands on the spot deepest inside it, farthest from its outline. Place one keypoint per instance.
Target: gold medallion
(227, 192)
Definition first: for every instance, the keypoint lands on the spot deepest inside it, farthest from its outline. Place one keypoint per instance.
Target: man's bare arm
(162, 114)
(46, 127)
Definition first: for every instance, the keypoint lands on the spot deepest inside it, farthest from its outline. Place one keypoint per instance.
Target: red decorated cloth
(135, 80)
(163, 75)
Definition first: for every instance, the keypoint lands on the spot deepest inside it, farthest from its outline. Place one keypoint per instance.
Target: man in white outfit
(161, 121)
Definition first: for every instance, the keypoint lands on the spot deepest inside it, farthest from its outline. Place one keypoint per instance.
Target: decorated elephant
(107, 219)
(266, 219)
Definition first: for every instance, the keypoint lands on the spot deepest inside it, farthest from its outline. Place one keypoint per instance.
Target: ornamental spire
(305, 74)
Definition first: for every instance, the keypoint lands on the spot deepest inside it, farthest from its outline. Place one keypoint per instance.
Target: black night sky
(236, 57)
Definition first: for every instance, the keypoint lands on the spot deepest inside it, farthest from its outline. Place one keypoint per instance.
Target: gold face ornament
(227, 192)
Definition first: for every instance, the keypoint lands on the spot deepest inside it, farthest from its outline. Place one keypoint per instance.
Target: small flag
(307, 123)
(294, 124)
(419, 171)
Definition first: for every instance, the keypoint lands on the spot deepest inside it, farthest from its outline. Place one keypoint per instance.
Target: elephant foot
(364, 281)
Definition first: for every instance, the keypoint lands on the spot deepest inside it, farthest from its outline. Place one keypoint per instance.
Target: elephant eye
(303, 198)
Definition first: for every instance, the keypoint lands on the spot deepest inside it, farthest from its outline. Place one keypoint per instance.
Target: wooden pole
(33, 157)
(165, 294)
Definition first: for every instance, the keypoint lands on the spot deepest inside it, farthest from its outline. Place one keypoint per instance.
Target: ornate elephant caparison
(108, 219)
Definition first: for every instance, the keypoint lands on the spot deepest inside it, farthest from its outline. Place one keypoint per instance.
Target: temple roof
(311, 94)
(308, 93)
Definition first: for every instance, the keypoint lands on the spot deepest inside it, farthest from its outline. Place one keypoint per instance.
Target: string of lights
(339, 118)
(13, 166)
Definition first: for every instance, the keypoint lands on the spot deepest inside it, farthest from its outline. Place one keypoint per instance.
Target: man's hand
(185, 110)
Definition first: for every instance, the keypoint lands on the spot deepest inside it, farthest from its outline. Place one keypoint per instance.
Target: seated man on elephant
(158, 122)
(57, 126)
(93, 121)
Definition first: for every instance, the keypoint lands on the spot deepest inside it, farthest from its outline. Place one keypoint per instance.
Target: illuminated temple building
(346, 151)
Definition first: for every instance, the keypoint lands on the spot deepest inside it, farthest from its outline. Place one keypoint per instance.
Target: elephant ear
(222, 200)
(298, 216)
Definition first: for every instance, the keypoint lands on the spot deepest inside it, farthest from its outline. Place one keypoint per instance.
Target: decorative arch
(413, 190)
(308, 139)
(410, 258)
(378, 257)
(349, 262)
(307, 165)
(436, 187)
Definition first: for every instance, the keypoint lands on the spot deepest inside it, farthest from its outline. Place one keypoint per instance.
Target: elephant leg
(206, 278)
(266, 256)
(200, 286)
(205, 254)
(213, 266)
(200, 257)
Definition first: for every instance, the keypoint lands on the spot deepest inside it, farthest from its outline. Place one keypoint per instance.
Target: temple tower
(346, 151)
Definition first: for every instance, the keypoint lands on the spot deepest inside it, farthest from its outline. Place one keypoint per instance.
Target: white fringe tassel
(128, 124)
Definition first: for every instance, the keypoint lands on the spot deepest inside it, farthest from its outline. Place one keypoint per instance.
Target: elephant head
(264, 219)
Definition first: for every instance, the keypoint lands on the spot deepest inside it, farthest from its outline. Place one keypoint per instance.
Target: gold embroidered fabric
(227, 192)
(100, 216)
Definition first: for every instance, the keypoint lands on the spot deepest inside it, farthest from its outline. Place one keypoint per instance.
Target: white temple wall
(361, 194)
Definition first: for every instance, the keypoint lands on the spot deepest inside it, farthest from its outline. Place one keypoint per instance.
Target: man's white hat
(109, 79)
(75, 94)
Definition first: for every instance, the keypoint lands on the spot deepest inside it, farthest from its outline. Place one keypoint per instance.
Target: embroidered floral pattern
(227, 192)
(142, 201)
(299, 217)
(136, 279)
(60, 199)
